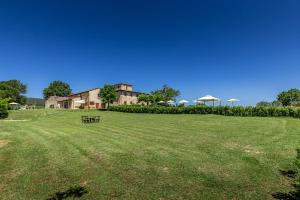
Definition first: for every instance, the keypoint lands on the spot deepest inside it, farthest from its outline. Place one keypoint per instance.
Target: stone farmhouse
(90, 98)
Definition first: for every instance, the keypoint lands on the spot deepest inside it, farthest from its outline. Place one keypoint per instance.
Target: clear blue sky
(230, 49)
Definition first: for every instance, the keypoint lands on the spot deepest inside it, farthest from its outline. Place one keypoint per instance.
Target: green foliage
(165, 94)
(147, 98)
(4, 108)
(57, 88)
(108, 94)
(217, 110)
(287, 97)
(14, 90)
(295, 103)
(263, 104)
(276, 103)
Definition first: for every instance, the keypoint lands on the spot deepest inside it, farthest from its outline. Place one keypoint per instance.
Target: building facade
(125, 95)
(90, 99)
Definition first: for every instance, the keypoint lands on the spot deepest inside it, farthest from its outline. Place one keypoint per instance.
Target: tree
(3, 108)
(287, 97)
(108, 94)
(276, 103)
(263, 104)
(14, 90)
(57, 88)
(145, 98)
(295, 103)
(165, 94)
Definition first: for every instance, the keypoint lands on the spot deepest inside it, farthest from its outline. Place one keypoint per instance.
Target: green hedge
(217, 110)
(3, 108)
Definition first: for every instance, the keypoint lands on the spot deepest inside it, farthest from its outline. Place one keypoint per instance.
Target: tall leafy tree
(57, 88)
(108, 94)
(166, 93)
(14, 90)
(288, 97)
(147, 98)
(3, 108)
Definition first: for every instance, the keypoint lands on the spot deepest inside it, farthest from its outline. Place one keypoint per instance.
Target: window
(130, 102)
(125, 102)
(92, 103)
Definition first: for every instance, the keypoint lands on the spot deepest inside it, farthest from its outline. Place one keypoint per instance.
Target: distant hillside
(35, 101)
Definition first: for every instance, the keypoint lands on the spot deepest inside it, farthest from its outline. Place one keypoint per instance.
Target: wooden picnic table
(90, 119)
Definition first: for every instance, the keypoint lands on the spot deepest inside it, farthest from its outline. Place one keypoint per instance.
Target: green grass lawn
(145, 156)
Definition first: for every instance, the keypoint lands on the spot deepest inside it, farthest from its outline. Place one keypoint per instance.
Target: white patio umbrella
(183, 101)
(232, 101)
(170, 102)
(14, 103)
(161, 102)
(197, 102)
(208, 98)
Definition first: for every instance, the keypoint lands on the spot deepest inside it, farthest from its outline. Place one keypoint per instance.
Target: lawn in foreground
(144, 156)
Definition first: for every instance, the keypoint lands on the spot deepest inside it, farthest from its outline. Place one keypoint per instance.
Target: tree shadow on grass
(288, 173)
(293, 195)
(286, 196)
(73, 192)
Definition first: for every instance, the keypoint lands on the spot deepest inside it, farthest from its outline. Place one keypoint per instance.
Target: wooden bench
(90, 119)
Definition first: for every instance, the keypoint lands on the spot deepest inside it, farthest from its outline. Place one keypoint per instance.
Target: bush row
(3, 108)
(217, 110)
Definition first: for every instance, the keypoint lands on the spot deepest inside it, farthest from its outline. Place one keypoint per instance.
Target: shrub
(3, 108)
(217, 110)
(263, 104)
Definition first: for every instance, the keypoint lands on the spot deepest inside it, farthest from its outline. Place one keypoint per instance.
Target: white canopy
(208, 98)
(14, 103)
(233, 100)
(170, 102)
(196, 101)
(79, 101)
(161, 102)
(183, 101)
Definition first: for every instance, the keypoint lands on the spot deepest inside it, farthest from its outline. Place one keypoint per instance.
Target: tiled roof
(83, 91)
(123, 84)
